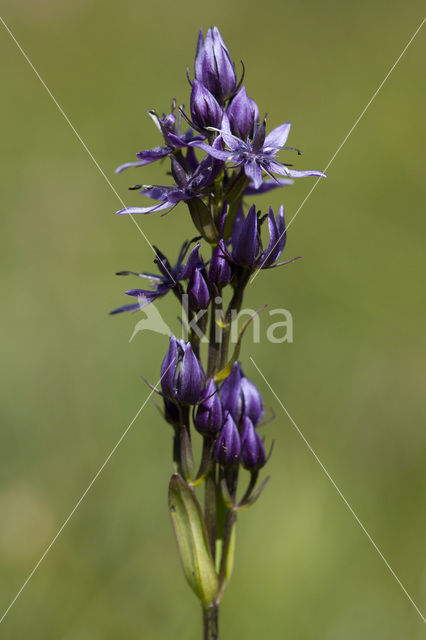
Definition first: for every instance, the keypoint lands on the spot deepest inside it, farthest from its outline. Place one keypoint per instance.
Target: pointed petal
(267, 185)
(126, 307)
(246, 249)
(215, 153)
(277, 137)
(254, 172)
(191, 377)
(168, 369)
(133, 210)
(305, 174)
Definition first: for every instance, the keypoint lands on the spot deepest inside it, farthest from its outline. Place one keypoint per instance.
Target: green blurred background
(353, 380)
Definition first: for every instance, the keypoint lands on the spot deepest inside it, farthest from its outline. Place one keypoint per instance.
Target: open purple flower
(188, 186)
(168, 280)
(246, 248)
(256, 155)
(170, 126)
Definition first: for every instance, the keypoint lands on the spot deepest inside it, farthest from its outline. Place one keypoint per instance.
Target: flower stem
(210, 622)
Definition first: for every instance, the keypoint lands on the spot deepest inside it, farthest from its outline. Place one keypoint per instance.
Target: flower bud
(214, 66)
(205, 110)
(198, 291)
(252, 450)
(220, 272)
(209, 416)
(182, 377)
(277, 238)
(245, 239)
(243, 114)
(252, 401)
(171, 413)
(228, 444)
(240, 397)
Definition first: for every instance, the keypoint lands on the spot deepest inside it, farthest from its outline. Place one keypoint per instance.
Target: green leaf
(191, 537)
(224, 373)
(202, 220)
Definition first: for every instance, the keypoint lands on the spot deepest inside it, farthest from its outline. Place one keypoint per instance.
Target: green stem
(214, 341)
(210, 508)
(234, 306)
(210, 622)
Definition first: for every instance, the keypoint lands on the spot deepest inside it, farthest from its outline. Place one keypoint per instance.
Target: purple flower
(171, 413)
(213, 65)
(247, 248)
(209, 416)
(240, 397)
(243, 114)
(182, 376)
(188, 186)
(252, 450)
(169, 278)
(228, 445)
(256, 155)
(172, 137)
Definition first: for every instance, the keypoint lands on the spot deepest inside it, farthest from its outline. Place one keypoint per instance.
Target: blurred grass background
(354, 378)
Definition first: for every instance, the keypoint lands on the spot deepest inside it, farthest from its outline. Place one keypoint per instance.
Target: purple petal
(233, 142)
(168, 368)
(191, 377)
(133, 210)
(145, 157)
(141, 163)
(254, 173)
(246, 249)
(215, 153)
(278, 236)
(277, 137)
(230, 393)
(126, 307)
(241, 116)
(267, 185)
(305, 174)
(153, 154)
(252, 450)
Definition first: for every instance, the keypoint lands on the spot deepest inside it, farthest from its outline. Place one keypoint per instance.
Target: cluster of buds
(224, 157)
